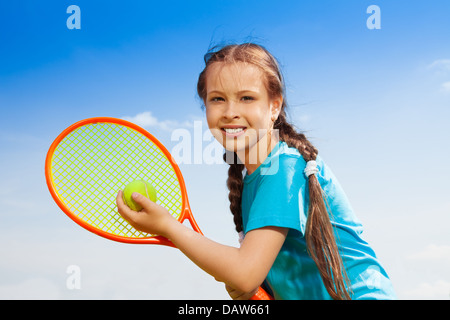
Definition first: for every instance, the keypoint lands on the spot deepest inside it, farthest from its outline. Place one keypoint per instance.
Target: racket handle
(261, 294)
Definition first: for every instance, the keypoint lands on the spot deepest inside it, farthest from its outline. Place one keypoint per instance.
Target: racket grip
(261, 294)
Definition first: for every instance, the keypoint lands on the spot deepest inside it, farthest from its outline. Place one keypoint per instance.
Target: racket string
(93, 162)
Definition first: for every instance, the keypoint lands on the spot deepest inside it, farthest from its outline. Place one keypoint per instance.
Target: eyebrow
(239, 92)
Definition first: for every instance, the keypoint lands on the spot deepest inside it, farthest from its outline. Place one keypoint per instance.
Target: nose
(231, 111)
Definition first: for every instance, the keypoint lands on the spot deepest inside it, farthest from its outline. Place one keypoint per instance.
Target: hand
(152, 219)
(239, 295)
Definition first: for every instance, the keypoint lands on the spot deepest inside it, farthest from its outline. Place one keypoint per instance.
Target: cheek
(260, 118)
(210, 117)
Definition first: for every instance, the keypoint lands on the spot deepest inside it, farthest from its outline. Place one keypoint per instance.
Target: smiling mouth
(227, 130)
(234, 132)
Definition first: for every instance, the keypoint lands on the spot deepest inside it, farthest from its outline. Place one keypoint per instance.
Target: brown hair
(319, 234)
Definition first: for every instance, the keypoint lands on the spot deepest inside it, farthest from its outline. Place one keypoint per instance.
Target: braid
(320, 240)
(235, 185)
(294, 139)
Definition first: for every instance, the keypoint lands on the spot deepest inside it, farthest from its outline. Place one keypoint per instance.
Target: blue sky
(374, 102)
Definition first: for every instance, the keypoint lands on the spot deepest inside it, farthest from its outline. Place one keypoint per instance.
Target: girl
(300, 237)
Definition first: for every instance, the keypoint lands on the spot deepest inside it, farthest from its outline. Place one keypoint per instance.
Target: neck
(254, 156)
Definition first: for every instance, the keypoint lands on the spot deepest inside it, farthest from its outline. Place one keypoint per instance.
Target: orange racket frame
(186, 210)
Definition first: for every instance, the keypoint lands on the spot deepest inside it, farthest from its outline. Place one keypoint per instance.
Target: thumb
(142, 200)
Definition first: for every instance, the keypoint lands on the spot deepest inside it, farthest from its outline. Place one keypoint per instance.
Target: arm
(243, 268)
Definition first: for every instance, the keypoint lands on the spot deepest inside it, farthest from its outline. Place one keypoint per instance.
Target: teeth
(227, 130)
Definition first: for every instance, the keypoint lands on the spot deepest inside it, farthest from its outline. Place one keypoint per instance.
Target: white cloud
(446, 86)
(432, 252)
(144, 119)
(439, 289)
(31, 289)
(442, 65)
(148, 120)
(441, 68)
(304, 118)
(35, 266)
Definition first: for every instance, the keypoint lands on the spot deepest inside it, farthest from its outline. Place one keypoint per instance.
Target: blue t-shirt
(276, 194)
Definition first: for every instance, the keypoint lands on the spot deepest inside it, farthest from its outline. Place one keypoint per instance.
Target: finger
(233, 293)
(123, 209)
(119, 198)
(145, 202)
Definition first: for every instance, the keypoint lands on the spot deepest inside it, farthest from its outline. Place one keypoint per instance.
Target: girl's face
(239, 111)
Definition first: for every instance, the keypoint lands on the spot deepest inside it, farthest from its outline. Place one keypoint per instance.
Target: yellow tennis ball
(142, 187)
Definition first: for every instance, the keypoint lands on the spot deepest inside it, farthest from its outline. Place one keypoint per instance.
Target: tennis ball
(142, 187)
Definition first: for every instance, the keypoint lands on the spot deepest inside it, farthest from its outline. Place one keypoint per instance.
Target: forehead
(236, 76)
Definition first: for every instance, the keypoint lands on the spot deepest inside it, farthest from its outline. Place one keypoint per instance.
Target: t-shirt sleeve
(280, 199)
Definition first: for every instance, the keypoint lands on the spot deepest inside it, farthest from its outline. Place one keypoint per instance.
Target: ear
(275, 107)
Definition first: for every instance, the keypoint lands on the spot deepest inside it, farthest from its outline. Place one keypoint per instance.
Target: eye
(216, 99)
(247, 98)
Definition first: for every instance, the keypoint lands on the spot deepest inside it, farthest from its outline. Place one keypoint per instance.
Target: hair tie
(311, 168)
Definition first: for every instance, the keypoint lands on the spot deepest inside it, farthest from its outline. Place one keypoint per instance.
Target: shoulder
(271, 197)
(285, 164)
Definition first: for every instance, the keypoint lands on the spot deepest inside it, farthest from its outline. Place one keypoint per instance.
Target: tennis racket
(92, 159)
